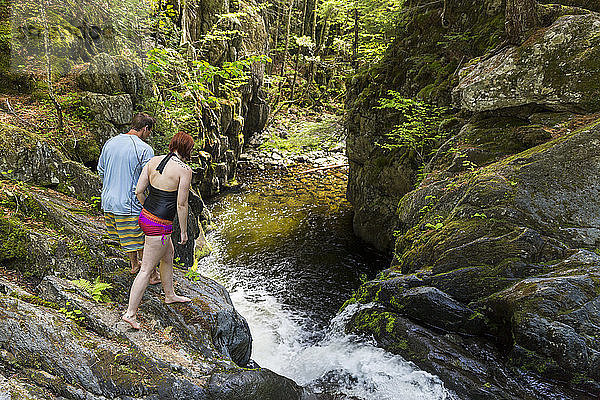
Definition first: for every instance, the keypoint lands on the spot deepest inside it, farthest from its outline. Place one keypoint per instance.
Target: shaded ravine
(284, 248)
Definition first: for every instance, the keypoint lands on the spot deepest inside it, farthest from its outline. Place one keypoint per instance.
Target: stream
(283, 246)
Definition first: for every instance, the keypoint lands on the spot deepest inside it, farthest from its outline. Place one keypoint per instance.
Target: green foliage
(187, 86)
(377, 20)
(192, 273)
(96, 289)
(419, 129)
(321, 135)
(72, 313)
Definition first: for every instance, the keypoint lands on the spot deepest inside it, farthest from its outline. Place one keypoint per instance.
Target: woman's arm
(185, 181)
(142, 184)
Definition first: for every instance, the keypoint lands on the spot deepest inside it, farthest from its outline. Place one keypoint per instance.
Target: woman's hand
(183, 238)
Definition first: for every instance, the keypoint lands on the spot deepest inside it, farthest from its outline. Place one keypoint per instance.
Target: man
(119, 167)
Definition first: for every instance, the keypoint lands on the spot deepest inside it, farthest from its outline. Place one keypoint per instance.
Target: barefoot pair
(168, 180)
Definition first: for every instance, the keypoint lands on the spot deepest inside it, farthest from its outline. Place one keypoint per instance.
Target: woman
(169, 179)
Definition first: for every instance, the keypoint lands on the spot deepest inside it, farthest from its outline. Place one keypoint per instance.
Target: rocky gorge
(493, 284)
(59, 338)
(491, 224)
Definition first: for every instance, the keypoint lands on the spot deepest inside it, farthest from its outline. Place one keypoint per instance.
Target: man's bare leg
(154, 251)
(135, 260)
(166, 273)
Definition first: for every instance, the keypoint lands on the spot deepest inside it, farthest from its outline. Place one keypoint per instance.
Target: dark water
(285, 249)
(299, 248)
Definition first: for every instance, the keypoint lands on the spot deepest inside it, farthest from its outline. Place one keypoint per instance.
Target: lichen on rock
(556, 68)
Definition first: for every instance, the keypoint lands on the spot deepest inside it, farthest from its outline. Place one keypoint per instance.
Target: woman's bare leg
(154, 250)
(166, 274)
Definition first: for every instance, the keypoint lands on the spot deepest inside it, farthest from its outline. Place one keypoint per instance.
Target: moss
(37, 301)
(399, 346)
(82, 251)
(531, 361)
(128, 369)
(375, 322)
(15, 242)
(366, 293)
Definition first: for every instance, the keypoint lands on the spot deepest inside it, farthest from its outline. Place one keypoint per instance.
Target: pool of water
(283, 246)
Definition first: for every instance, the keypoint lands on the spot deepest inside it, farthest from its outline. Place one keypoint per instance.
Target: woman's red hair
(183, 144)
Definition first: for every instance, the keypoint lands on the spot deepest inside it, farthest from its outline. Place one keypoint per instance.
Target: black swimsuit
(161, 203)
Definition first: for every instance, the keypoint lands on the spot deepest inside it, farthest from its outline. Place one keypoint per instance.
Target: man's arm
(100, 166)
(142, 184)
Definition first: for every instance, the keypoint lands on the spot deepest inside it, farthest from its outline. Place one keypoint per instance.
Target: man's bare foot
(131, 321)
(177, 299)
(155, 278)
(135, 270)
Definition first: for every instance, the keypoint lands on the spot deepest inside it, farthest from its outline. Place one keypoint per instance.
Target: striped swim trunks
(126, 230)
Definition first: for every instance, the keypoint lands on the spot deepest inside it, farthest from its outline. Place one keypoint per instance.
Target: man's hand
(183, 238)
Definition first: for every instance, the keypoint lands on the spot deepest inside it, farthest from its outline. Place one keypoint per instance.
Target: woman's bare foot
(177, 299)
(131, 321)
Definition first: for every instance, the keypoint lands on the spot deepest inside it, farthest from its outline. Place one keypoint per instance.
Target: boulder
(113, 75)
(61, 342)
(416, 65)
(115, 109)
(53, 350)
(502, 254)
(28, 157)
(557, 68)
(472, 369)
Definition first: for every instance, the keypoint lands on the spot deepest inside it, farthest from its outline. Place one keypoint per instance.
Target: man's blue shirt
(121, 162)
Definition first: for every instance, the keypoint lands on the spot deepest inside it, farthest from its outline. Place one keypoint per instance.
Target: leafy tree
(419, 127)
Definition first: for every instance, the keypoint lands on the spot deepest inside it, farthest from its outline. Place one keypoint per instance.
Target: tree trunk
(295, 75)
(324, 34)
(43, 7)
(521, 17)
(278, 18)
(287, 38)
(355, 44)
(313, 33)
(303, 27)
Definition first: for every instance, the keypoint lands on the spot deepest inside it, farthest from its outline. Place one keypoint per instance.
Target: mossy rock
(539, 71)
(416, 68)
(499, 241)
(28, 157)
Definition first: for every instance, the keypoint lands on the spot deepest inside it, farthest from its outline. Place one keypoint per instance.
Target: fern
(95, 290)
